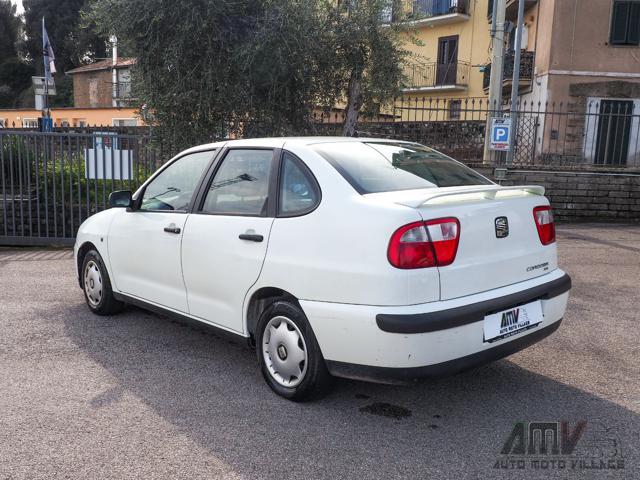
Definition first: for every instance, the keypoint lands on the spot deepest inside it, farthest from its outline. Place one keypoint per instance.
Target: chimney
(114, 72)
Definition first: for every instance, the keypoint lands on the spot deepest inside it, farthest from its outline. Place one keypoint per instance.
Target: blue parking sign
(500, 133)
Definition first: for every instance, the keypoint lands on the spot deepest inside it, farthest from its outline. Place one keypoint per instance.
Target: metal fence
(603, 133)
(51, 182)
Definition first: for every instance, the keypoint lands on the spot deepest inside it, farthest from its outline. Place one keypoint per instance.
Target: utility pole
(497, 67)
(515, 83)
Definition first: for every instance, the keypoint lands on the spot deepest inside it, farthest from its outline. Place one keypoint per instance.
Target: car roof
(278, 142)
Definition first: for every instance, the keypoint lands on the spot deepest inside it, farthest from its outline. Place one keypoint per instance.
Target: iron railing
(527, 68)
(122, 90)
(51, 182)
(435, 8)
(436, 75)
(580, 134)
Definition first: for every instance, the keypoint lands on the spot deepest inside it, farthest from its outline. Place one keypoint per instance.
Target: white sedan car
(369, 259)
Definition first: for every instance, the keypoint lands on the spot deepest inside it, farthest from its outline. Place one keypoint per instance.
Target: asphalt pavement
(141, 396)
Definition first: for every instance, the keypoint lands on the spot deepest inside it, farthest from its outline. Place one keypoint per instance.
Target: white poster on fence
(104, 159)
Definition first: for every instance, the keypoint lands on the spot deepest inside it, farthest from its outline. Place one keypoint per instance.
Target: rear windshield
(384, 167)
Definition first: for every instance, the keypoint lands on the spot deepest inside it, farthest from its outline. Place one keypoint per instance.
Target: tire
(283, 337)
(96, 286)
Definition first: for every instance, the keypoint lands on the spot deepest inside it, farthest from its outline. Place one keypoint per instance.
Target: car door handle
(252, 237)
(172, 229)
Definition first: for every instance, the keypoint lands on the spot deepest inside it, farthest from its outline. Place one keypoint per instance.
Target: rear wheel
(97, 286)
(290, 358)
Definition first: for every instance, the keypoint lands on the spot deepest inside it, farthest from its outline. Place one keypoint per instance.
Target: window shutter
(619, 22)
(633, 29)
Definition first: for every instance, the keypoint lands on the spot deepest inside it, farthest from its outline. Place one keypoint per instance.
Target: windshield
(372, 167)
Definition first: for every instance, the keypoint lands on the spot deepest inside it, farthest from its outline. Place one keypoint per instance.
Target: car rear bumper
(401, 344)
(443, 369)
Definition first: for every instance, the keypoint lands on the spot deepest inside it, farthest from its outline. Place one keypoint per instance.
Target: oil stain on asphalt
(386, 410)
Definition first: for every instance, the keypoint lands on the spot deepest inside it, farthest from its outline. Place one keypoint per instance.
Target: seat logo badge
(502, 227)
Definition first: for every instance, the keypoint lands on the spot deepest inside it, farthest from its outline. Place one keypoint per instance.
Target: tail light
(425, 244)
(543, 217)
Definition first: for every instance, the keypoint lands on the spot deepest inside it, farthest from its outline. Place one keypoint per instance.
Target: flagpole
(46, 79)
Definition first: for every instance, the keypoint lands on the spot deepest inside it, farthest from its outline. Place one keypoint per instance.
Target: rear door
(225, 239)
(499, 243)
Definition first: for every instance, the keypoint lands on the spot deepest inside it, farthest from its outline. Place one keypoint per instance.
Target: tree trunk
(354, 102)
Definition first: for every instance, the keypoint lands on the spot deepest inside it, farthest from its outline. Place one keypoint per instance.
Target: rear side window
(299, 192)
(385, 167)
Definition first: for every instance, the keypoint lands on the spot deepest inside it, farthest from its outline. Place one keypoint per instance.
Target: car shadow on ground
(211, 390)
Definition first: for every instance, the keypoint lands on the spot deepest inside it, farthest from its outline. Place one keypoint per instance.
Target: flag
(47, 52)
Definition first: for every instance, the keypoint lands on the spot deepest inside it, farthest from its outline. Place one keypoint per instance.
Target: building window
(124, 122)
(625, 22)
(455, 108)
(29, 123)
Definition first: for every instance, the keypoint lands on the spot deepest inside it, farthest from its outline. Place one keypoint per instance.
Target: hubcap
(93, 283)
(284, 351)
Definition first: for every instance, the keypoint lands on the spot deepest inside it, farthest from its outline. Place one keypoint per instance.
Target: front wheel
(290, 358)
(97, 286)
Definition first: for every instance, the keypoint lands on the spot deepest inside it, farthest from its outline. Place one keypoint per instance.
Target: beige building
(102, 84)
(449, 41)
(581, 58)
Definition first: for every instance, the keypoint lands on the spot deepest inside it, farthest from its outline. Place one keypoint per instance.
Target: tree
(73, 42)
(15, 74)
(370, 54)
(213, 68)
(9, 30)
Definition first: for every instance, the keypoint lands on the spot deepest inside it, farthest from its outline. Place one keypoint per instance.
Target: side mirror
(121, 198)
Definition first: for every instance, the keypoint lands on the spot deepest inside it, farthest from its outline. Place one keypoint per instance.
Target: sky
(19, 4)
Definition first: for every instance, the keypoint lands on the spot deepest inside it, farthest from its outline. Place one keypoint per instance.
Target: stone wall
(581, 195)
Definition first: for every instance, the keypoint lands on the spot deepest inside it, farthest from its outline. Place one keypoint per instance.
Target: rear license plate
(513, 321)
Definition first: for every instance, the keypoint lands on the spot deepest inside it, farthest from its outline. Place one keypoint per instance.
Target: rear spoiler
(488, 192)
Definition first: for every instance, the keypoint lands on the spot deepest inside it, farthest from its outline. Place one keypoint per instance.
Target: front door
(225, 240)
(614, 130)
(446, 69)
(144, 244)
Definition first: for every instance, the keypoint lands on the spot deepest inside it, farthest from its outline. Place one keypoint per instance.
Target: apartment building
(449, 41)
(581, 58)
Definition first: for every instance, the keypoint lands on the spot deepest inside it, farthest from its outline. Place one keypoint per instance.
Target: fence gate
(51, 182)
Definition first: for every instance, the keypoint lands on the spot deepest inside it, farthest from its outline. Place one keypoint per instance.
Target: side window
(241, 184)
(299, 192)
(173, 188)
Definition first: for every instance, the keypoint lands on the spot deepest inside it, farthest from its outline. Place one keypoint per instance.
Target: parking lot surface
(141, 396)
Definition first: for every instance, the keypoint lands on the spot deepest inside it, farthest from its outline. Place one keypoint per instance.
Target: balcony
(439, 12)
(436, 77)
(511, 13)
(121, 90)
(527, 69)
